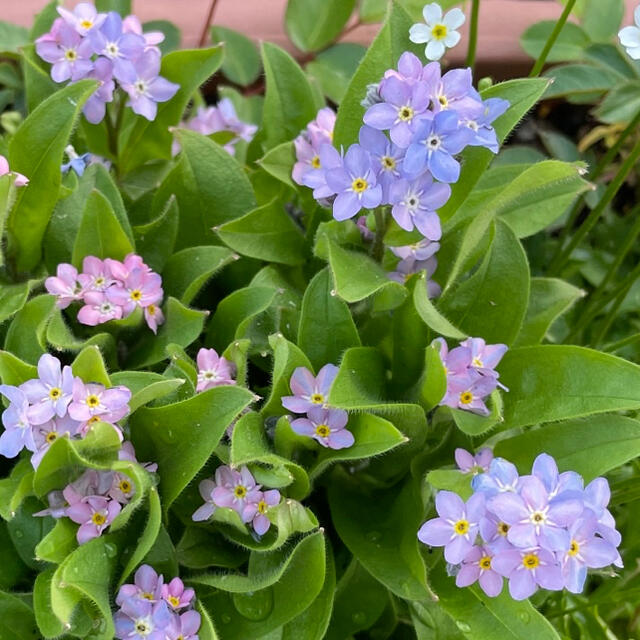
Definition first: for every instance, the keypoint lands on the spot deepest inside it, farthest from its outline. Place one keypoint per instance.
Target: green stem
(611, 316)
(381, 227)
(616, 346)
(542, 58)
(563, 257)
(473, 34)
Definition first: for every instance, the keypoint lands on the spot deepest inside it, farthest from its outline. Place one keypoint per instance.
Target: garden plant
(328, 348)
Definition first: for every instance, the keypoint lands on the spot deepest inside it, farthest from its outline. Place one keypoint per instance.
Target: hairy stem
(542, 58)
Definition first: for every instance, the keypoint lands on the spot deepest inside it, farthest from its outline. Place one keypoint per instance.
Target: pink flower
(94, 515)
(255, 512)
(96, 274)
(176, 596)
(153, 317)
(147, 586)
(46, 434)
(98, 309)
(127, 452)
(206, 488)
(213, 370)
(93, 400)
(20, 181)
(468, 463)
(234, 489)
(326, 426)
(139, 289)
(122, 489)
(65, 285)
(308, 391)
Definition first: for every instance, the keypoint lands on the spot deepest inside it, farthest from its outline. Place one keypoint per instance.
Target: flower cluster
(20, 180)
(471, 374)
(544, 530)
(429, 118)
(321, 422)
(56, 404)
(109, 290)
(151, 609)
(239, 491)
(213, 370)
(222, 117)
(86, 44)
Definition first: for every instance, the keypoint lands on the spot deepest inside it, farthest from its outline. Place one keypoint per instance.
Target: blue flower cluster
(86, 44)
(416, 124)
(544, 530)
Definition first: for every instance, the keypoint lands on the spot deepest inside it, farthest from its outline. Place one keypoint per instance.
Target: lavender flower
(480, 121)
(484, 357)
(315, 177)
(453, 90)
(83, 18)
(204, 512)
(213, 370)
(468, 463)
(142, 620)
(527, 569)
(127, 452)
(309, 392)
(184, 627)
(434, 144)
(494, 531)
(408, 266)
(501, 477)
(153, 317)
(44, 435)
(17, 434)
(323, 125)
(149, 87)
(234, 489)
(354, 183)
(477, 567)
(69, 53)
(410, 69)
(456, 527)
(96, 106)
(176, 596)
(255, 512)
(439, 32)
(147, 586)
(326, 426)
(404, 105)
(122, 489)
(387, 158)
(596, 499)
(468, 392)
(415, 203)
(152, 39)
(94, 514)
(93, 400)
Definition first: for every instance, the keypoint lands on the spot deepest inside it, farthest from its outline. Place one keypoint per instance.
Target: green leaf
(12, 37)
(383, 54)
(569, 44)
(123, 7)
(550, 383)
(373, 436)
(433, 384)
(207, 630)
(89, 366)
(187, 271)
(334, 67)
(13, 297)
(38, 83)
(234, 314)
(481, 617)
(572, 80)
(357, 276)
(492, 303)
(289, 103)
(100, 234)
(182, 326)
(44, 19)
(145, 386)
(150, 140)
(326, 327)
(242, 61)
(379, 527)
(266, 233)
(602, 21)
(36, 151)
(59, 542)
(431, 316)
(155, 241)
(549, 298)
(265, 595)
(172, 35)
(620, 104)
(473, 424)
(25, 337)
(17, 620)
(279, 162)
(313, 25)
(591, 446)
(14, 371)
(166, 434)
(613, 58)
(211, 188)
(16, 487)
(49, 625)
(451, 480)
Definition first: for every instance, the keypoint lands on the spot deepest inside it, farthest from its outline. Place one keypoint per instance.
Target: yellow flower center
(323, 430)
(51, 437)
(530, 561)
(388, 163)
(98, 518)
(574, 548)
(142, 628)
(173, 601)
(444, 103)
(93, 400)
(315, 162)
(151, 309)
(86, 24)
(136, 294)
(359, 185)
(461, 527)
(405, 113)
(537, 517)
(439, 32)
(240, 491)
(485, 563)
(503, 528)
(93, 419)
(70, 55)
(125, 486)
(55, 393)
(262, 507)
(99, 281)
(466, 397)
(476, 362)
(148, 596)
(317, 398)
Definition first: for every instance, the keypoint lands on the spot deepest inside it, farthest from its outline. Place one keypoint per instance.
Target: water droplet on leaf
(463, 626)
(254, 605)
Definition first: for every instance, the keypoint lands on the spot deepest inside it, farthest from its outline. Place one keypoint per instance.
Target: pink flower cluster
(109, 289)
(239, 491)
(54, 405)
(471, 374)
(213, 370)
(95, 499)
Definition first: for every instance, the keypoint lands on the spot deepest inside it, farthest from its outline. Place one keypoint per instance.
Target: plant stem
(611, 316)
(381, 227)
(207, 24)
(542, 58)
(562, 258)
(473, 34)
(616, 346)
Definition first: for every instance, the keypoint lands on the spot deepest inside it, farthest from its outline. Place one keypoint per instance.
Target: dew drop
(332, 292)
(226, 618)
(110, 550)
(525, 617)
(254, 605)
(359, 617)
(18, 533)
(463, 626)
(374, 536)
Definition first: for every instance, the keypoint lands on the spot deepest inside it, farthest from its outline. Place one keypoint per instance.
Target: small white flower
(630, 37)
(439, 32)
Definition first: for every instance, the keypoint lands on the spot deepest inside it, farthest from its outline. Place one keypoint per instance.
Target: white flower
(440, 32)
(630, 37)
